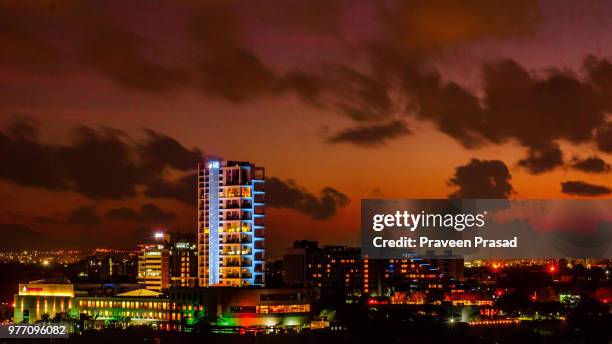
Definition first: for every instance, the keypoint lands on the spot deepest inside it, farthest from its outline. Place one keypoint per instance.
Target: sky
(107, 106)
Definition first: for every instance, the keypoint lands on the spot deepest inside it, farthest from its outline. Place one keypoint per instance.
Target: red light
(552, 268)
(13, 305)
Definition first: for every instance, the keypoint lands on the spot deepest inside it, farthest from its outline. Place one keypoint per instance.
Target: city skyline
(107, 109)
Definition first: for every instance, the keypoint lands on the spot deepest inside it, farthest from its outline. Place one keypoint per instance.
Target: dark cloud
(580, 188)
(152, 213)
(21, 46)
(603, 137)
(44, 220)
(98, 163)
(223, 64)
(67, 36)
(315, 17)
(220, 58)
(123, 214)
(183, 189)
(372, 135)
(420, 27)
(149, 213)
(359, 96)
(14, 215)
(591, 165)
(517, 105)
(25, 161)
(482, 179)
(161, 151)
(542, 159)
(125, 58)
(281, 194)
(22, 237)
(535, 110)
(84, 215)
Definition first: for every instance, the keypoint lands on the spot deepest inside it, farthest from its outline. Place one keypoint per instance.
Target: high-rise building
(231, 201)
(154, 267)
(183, 260)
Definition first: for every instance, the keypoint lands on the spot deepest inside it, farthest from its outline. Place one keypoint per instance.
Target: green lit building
(178, 309)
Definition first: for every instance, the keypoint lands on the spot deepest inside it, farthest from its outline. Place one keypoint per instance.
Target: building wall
(136, 310)
(35, 299)
(183, 267)
(154, 267)
(231, 246)
(180, 307)
(249, 306)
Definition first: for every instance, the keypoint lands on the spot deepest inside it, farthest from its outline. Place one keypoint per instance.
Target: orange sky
(279, 128)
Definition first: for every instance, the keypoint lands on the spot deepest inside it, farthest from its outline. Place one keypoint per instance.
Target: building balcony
(238, 205)
(236, 241)
(237, 263)
(243, 217)
(237, 276)
(235, 182)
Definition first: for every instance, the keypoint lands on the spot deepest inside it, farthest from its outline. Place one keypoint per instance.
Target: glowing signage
(47, 289)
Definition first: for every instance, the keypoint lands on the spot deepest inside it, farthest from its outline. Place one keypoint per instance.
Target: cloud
(149, 213)
(580, 188)
(215, 48)
(14, 215)
(218, 56)
(125, 58)
(542, 159)
(183, 189)
(25, 161)
(160, 151)
(603, 137)
(482, 179)
(429, 26)
(106, 164)
(22, 237)
(97, 163)
(371, 135)
(516, 105)
(44, 220)
(281, 194)
(224, 66)
(591, 165)
(85, 216)
(20, 45)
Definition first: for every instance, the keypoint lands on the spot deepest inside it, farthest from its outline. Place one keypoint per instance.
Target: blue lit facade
(231, 244)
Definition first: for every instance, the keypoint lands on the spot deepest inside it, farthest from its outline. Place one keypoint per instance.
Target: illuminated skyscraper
(231, 203)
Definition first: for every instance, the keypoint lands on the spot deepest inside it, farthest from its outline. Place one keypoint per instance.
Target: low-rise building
(178, 309)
